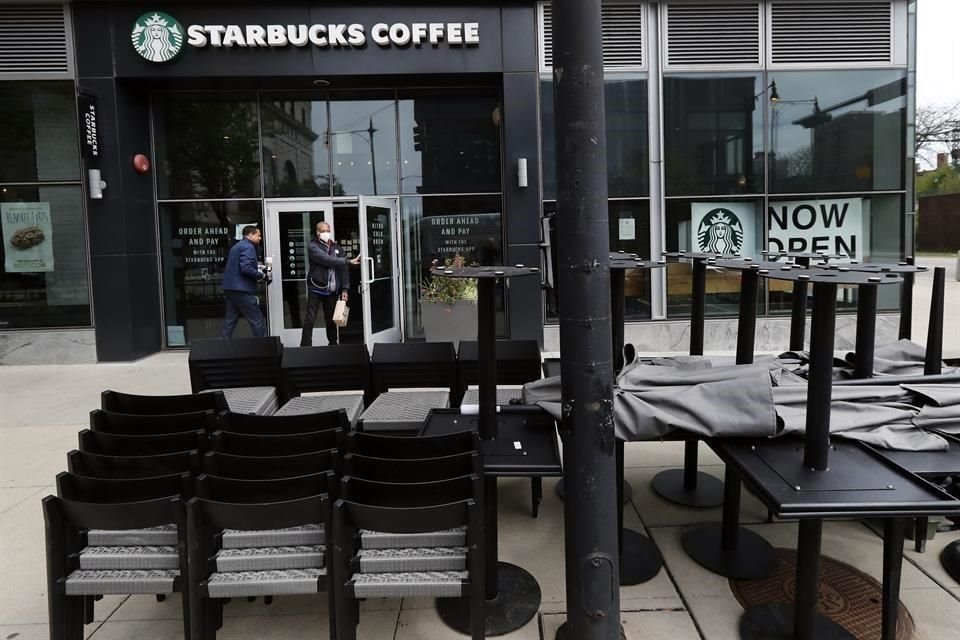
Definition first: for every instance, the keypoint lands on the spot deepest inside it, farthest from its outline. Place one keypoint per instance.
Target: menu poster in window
(832, 226)
(27, 237)
(722, 227)
(475, 236)
(377, 229)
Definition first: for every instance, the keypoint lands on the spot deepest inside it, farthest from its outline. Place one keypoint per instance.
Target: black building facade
(406, 126)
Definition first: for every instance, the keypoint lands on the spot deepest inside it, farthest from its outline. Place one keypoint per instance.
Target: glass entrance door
(289, 226)
(378, 270)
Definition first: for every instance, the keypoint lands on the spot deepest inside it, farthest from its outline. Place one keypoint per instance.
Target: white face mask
(325, 236)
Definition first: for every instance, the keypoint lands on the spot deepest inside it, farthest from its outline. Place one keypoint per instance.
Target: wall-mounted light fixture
(95, 184)
(522, 173)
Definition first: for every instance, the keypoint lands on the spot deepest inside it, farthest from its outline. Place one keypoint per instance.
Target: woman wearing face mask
(327, 281)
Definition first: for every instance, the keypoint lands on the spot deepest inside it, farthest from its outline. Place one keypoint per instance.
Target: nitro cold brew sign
(158, 37)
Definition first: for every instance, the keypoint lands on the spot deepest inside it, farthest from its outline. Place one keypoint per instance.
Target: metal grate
(622, 35)
(831, 33)
(713, 34)
(33, 39)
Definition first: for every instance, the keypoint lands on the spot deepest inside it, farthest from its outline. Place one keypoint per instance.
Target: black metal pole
(893, 529)
(490, 538)
(747, 321)
(590, 519)
(798, 311)
(698, 307)
(816, 445)
(808, 576)
(487, 366)
(934, 355)
(906, 304)
(866, 331)
(618, 314)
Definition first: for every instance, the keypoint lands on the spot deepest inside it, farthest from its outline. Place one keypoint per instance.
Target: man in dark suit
(241, 276)
(327, 282)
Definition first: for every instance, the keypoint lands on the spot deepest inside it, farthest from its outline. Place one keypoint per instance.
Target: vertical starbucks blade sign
(157, 36)
(27, 237)
(725, 228)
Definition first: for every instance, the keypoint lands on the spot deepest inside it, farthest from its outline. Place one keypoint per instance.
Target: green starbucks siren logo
(157, 36)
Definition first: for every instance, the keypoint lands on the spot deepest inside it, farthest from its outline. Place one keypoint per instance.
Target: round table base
(775, 622)
(669, 486)
(517, 602)
(751, 559)
(640, 559)
(627, 491)
(562, 633)
(950, 559)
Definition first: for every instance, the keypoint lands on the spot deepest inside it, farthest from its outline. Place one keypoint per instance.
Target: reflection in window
(296, 161)
(440, 227)
(43, 254)
(363, 143)
(833, 131)
(630, 233)
(628, 159)
(450, 141)
(206, 146)
(39, 132)
(713, 134)
(711, 225)
(195, 238)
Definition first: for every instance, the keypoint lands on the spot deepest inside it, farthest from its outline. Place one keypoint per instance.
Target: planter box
(449, 322)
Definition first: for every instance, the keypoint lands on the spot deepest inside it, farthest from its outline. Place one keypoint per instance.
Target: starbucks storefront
(401, 127)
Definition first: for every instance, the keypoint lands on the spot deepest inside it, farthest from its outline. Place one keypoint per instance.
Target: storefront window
(628, 159)
(44, 256)
(296, 159)
(363, 143)
(630, 233)
(450, 141)
(837, 131)
(713, 134)
(715, 225)
(441, 227)
(207, 146)
(195, 238)
(865, 228)
(39, 132)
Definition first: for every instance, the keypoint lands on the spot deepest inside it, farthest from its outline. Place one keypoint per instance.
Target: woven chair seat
(412, 560)
(123, 558)
(351, 403)
(505, 396)
(271, 558)
(438, 584)
(261, 401)
(136, 581)
(309, 534)
(163, 535)
(238, 584)
(402, 410)
(378, 540)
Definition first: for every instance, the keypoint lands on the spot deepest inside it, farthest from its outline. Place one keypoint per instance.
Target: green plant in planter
(449, 290)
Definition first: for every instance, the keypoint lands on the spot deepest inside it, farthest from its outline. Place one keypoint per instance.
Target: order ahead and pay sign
(834, 226)
(159, 37)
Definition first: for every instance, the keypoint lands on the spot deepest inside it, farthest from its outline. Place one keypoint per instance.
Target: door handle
(369, 270)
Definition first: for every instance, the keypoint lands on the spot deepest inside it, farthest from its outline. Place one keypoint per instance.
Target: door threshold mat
(847, 596)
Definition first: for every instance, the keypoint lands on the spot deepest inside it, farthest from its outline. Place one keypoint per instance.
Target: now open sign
(833, 226)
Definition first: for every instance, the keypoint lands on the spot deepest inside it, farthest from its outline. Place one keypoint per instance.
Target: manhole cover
(848, 596)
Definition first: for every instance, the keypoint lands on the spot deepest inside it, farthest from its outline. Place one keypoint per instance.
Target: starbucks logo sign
(720, 231)
(157, 37)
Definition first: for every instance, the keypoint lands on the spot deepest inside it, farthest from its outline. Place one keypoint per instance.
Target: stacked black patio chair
(428, 368)
(246, 371)
(518, 362)
(409, 525)
(337, 377)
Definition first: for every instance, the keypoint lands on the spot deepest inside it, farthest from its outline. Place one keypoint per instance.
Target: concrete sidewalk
(45, 407)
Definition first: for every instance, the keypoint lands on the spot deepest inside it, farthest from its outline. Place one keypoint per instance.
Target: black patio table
(811, 479)
(515, 442)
